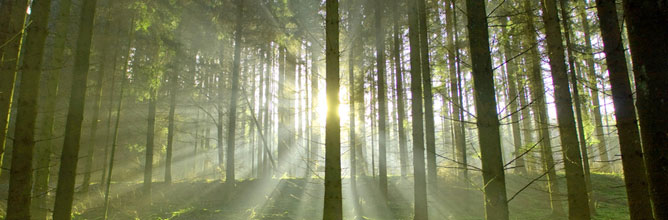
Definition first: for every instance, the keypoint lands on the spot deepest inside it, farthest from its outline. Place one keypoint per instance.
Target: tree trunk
(50, 83)
(496, 205)
(578, 206)
(627, 128)
(232, 120)
(420, 185)
(173, 81)
(430, 131)
(511, 71)
(13, 15)
(70, 153)
(593, 85)
(457, 107)
(20, 178)
(645, 22)
(540, 111)
(333, 208)
(150, 139)
(401, 109)
(382, 97)
(576, 99)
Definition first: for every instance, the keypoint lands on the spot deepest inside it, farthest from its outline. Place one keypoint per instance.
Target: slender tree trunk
(20, 178)
(150, 142)
(576, 100)
(401, 109)
(13, 15)
(173, 81)
(333, 208)
(382, 97)
(513, 97)
(593, 85)
(354, 29)
(496, 205)
(460, 138)
(578, 206)
(232, 120)
(70, 154)
(97, 101)
(627, 128)
(430, 130)
(50, 83)
(420, 185)
(645, 22)
(540, 110)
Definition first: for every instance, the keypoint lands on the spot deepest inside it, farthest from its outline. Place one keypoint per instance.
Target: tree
(333, 208)
(455, 90)
(635, 176)
(70, 153)
(20, 179)
(382, 97)
(496, 206)
(645, 23)
(430, 131)
(420, 183)
(229, 174)
(13, 17)
(401, 109)
(578, 206)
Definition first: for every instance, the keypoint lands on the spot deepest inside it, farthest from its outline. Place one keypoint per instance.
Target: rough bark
(496, 205)
(627, 128)
(645, 23)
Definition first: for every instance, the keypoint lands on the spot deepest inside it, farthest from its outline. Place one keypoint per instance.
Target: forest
(333, 109)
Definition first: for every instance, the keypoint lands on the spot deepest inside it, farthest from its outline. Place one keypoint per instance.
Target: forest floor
(302, 199)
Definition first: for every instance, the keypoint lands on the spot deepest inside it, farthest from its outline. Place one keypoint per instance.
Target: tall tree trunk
(354, 29)
(457, 107)
(232, 120)
(593, 85)
(150, 142)
(50, 83)
(645, 23)
(627, 128)
(20, 177)
(578, 206)
(565, 21)
(70, 154)
(540, 111)
(401, 109)
(420, 183)
(511, 71)
(382, 97)
(173, 81)
(13, 15)
(333, 208)
(430, 130)
(496, 205)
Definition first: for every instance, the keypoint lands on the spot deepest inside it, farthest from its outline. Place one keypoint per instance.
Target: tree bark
(578, 206)
(627, 128)
(645, 23)
(401, 109)
(430, 130)
(333, 208)
(382, 97)
(420, 183)
(232, 120)
(496, 205)
(13, 15)
(70, 153)
(20, 180)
